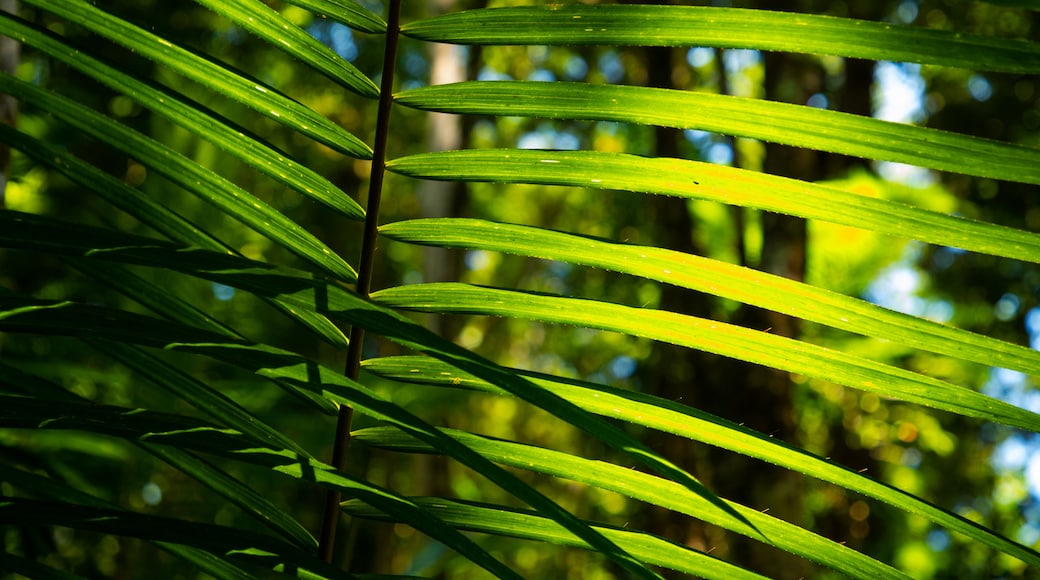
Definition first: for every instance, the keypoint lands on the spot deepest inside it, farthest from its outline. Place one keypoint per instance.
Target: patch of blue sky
(222, 292)
(906, 174)
(979, 88)
(700, 56)
(547, 137)
(576, 68)
(541, 75)
(738, 59)
(611, 66)
(622, 366)
(818, 101)
(906, 12)
(719, 154)
(899, 92)
(489, 74)
(1007, 307)
(336, 36)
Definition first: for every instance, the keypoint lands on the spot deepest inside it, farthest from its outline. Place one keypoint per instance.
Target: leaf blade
(149, 212)
(711, 276)
(528, 525)
(672, 417)
(261, 99)
(348, 12)
(202, 182)
(711, 336)
(726, 28)
(697, 180)
(650, 489)
(277, 31)
(795, 125)
(189, 115)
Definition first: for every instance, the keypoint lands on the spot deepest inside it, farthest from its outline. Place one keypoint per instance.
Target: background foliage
(695, 258)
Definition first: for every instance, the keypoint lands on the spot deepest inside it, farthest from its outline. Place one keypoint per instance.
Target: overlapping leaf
(204, 183)
(250, 93)
(672, 417)
(652, 490)
(192, 116)
(528, 525)
(348, 12)
(271, 27)
(152, 213)
(68, 318)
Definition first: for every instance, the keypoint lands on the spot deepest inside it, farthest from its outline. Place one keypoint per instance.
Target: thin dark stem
(331, 516)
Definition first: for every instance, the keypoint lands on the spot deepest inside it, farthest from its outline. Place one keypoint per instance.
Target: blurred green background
(987, 473)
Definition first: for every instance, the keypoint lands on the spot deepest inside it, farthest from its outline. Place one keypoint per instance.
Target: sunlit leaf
(152, 213)
(712, 336)
(271, 27)
(697, 180)
(800, 126)
(652, 25)
(653, 490)
(672, 417)
(721, 279)
(346, 11)
(510, 522)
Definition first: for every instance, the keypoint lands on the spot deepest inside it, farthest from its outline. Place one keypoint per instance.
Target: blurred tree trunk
(692, 377)
(794, 78)
(758, 397)
(443, 132)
